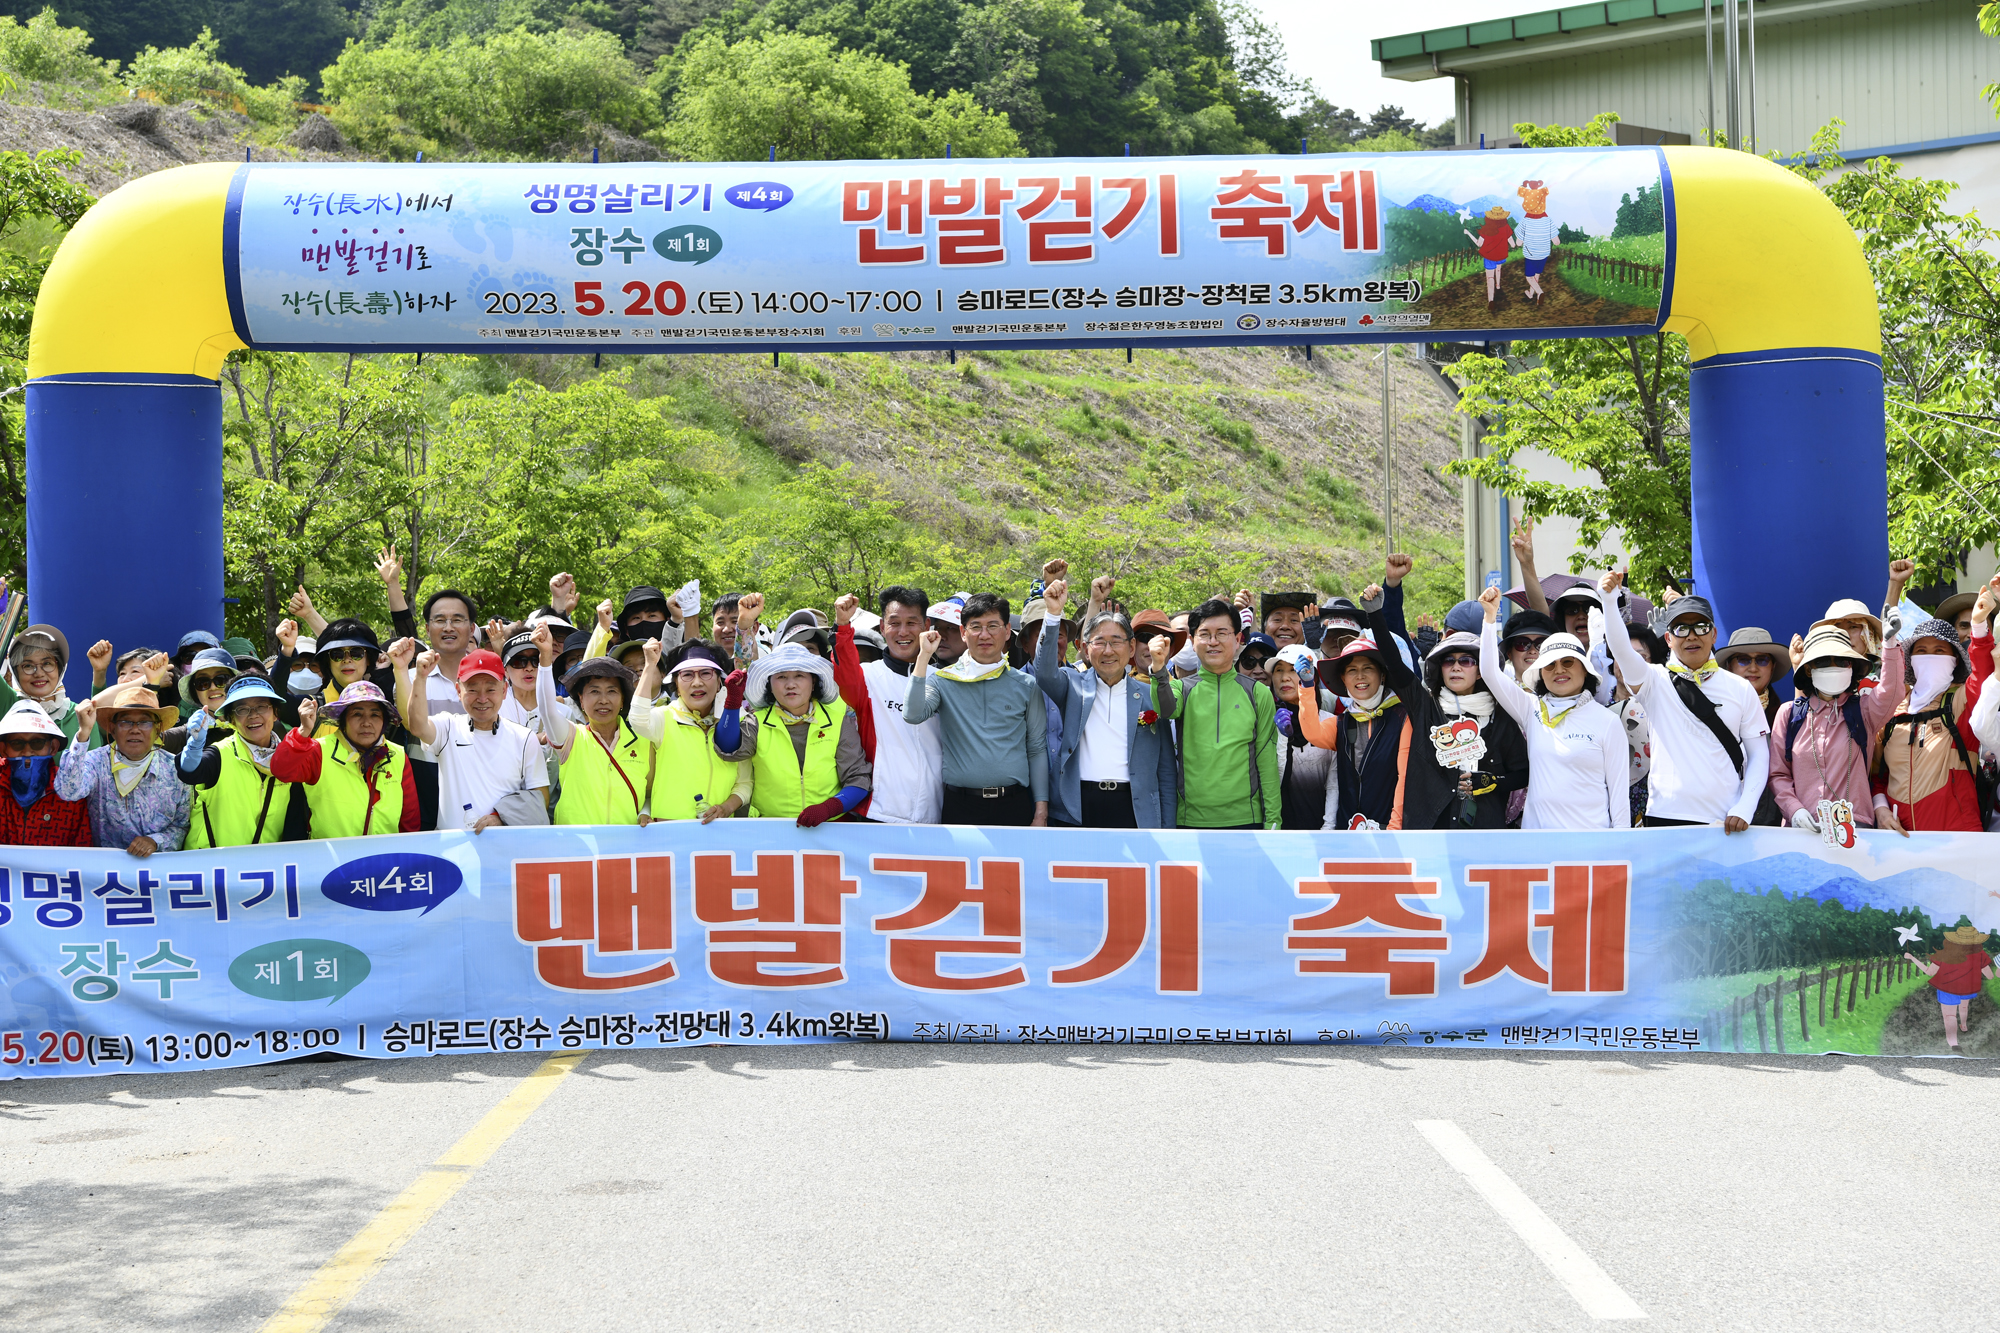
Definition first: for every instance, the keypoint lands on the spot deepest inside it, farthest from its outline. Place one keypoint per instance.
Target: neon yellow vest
(244, 805)
(597, 792)
(689, 767)
(340, 800)
(782, 786)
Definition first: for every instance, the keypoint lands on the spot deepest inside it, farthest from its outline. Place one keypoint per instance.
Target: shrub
(43, 50)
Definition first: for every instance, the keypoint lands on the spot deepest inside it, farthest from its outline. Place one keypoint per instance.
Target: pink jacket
(1824, 764)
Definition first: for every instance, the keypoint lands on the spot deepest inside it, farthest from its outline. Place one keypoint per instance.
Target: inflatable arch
(164, 277)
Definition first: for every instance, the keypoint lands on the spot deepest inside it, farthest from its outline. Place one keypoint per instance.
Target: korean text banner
(754, 931)
(656, 257)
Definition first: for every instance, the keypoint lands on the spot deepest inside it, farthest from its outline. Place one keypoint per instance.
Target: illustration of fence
(1759, 1015)
(1436, 270)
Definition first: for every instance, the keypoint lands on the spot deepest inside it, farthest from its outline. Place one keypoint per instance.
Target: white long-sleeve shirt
(1693, 779)
(1577, 760)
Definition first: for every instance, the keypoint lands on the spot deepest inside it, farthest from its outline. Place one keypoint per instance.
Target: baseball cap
(481, 662)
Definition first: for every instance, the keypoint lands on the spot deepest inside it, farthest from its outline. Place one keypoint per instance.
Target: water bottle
(700, 806)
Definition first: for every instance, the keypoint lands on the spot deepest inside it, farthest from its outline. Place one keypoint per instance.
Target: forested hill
(1184, 471)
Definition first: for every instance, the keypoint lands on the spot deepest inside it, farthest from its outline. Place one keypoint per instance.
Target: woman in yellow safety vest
(356, 783)
(607, 767)
(824, 772)
(690, 781)
(239, 800)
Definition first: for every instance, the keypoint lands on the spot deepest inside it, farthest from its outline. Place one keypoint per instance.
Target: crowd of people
(1583, 707)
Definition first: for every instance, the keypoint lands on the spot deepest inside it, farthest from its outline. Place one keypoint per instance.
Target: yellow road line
(342, 1277)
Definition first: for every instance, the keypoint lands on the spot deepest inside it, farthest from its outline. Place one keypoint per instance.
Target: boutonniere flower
(1148, 718)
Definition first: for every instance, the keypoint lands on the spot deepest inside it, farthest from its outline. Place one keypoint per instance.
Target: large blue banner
(753, 931)
(849, 256)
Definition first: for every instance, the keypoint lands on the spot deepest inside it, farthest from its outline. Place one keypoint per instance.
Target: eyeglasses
(450, 622)
(133, 721)
(1459, 660)
(1110, 641)
(347, 654)
(1213, 636)
(210, 680)
(700, 675)
(31, 745)
(1691, 629)
(252, 708)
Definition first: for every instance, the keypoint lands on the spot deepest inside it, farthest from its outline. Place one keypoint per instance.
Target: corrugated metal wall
(1902, 75)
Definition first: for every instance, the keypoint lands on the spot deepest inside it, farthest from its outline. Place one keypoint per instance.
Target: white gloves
(1804, 820)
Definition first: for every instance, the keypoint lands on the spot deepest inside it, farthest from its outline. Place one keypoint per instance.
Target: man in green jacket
(1228, 729)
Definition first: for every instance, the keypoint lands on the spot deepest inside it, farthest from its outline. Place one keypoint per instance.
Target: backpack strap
(1850, 713)
(1703, 708)
(1801, 705)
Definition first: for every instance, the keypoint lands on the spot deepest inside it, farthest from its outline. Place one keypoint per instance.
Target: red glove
(815, 815)
(732, 688)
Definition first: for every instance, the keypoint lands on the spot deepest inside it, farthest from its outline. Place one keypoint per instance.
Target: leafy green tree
(120, 29)
(47, 52)
(198, 73)
(269, 39)
(313, 470)
(1938, 283)
(814, 101)
(588, 479)
(38, 203)
(515, 94)
(825, 532)
(1596, 134)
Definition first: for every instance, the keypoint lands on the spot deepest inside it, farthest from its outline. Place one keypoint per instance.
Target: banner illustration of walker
(752, 932)
(628, 257)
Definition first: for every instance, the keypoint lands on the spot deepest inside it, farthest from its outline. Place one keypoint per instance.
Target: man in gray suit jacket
(1112, 772)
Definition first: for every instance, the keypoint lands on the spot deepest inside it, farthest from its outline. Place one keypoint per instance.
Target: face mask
(1934, 672)
(303, 682)
(1832, 680)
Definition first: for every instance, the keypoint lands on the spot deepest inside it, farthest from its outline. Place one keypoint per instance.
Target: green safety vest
(346, 805)
(244, 806)
(605, 786)
(689, 767)
(781, 785)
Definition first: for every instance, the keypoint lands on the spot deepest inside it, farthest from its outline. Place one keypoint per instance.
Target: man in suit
(1114, 772)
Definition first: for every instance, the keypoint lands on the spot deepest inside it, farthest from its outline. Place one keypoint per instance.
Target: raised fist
(545, 644)
(157, 668)
(1160, 648)
(1243, 599)
(288, 636)
(651, 652)
(86, 718)
(1101, 586)
(100, 656)
(1373, 592)
(1054, 595)
(927, 644)
(562, 593)
(604, 620)
(748, 607)
(308, 716)
(1054, 569)
(1901, 571)
(427, 661)
(402, 651)
(844, 608)
(1489, 602)
(1396, 568)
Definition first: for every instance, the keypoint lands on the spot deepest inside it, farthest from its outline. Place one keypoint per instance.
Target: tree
(36, 199)
(272, 38)
(314, 475)
(120, 29)
(812, 100)
(509, 95)
(1938, 284)
(1597, 134)
(588, 479)
(825, 532)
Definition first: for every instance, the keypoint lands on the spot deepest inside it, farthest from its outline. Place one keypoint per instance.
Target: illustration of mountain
(1486, 201)
(1428, 203)
(1799, 876)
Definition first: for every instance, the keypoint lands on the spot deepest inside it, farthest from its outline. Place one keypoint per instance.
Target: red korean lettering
(1249, 208)
(1365, 892)
(995, 900)
(1588, 921)
(970, 241)
(778, 886)
(1126, 927)
(618, 904)
(1128, 212)
(1044, 235)
(1353, 193)
(950, 198)
(868, 201)
(1170, 218)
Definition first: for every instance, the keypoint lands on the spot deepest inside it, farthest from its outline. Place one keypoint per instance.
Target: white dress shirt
(1103, 754)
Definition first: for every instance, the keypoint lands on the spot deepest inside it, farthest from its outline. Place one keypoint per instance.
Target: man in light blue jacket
(1114, 771)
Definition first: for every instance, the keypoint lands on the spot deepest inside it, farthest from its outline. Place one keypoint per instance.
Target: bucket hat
(1752, 639)
(245, 688)
(789, 657)
(134, 696)
(26, 718)
(1554, 649)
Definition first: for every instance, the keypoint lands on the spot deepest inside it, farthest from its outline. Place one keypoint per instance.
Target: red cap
(481, 662)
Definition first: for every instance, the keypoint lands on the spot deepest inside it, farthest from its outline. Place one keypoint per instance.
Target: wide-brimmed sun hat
(1555, 648)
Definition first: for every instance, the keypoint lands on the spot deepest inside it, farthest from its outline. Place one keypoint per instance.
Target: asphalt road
(917, 1187)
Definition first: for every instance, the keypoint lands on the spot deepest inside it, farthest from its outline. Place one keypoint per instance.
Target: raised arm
(847, 674)
(1524, 556)
(643, 714)
(922, 700)
(1510, 694)
(1637, 670)
(1048, 671)
(1394, 571)
(417, 717)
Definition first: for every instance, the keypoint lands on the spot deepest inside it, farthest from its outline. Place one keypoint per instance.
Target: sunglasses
(31, 745)
(1754, 660)
(1691, 629)
(525, 662)
(210, 680)
(1459, 660)
(1531, 642)
(346, 655)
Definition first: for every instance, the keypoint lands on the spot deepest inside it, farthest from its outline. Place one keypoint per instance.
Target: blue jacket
(1149, 750)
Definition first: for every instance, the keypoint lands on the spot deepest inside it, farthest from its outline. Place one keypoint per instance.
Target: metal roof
(1420, 55)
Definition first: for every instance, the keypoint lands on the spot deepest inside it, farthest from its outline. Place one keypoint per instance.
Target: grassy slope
(1857, 1033)
(1277, 457)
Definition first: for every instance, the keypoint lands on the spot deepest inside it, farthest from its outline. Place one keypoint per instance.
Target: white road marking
(1600, 1297)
